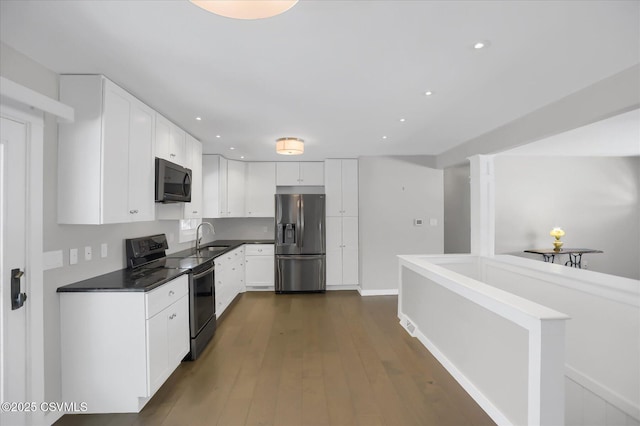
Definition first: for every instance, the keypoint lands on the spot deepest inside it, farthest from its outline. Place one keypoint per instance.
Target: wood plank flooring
(307, 359)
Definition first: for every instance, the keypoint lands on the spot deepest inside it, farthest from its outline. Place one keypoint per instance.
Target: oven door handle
(202, 274)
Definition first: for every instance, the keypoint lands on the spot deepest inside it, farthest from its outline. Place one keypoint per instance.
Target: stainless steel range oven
(149, 253)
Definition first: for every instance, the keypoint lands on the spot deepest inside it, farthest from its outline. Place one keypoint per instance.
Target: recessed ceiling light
(198, 118)
(384, 137)
(231, 148)
(218, 136)
(428, 93)
(242, 157)
(481, 44)
(402, 120)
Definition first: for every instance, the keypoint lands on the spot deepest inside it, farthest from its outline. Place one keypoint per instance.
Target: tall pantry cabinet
(341, 188)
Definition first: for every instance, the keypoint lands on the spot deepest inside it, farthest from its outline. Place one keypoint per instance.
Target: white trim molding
(23, 95)
(382, 292)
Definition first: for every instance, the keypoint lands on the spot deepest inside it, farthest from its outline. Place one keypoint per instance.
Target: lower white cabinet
(229, 275)
(258, 267)
(117, 348)
(342, 250)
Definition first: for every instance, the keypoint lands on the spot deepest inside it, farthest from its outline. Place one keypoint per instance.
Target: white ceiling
(339, 74)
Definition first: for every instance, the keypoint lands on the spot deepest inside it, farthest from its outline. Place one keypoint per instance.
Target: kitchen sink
(214, 248)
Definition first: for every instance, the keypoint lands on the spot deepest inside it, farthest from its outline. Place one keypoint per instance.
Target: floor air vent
(410, 326)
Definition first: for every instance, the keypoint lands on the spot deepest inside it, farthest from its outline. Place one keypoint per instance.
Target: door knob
(17, 298)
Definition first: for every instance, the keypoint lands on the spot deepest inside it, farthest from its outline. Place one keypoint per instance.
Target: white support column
(482, 205)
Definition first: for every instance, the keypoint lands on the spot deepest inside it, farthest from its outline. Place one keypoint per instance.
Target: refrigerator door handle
(301, 218)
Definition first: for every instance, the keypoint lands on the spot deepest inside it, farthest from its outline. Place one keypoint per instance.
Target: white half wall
(393, 191)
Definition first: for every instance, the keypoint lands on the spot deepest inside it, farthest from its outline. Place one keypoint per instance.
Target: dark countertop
(125, 280)
(230, 244)
(146, 279)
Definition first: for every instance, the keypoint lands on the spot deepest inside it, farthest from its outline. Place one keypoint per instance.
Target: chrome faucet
(213, 231)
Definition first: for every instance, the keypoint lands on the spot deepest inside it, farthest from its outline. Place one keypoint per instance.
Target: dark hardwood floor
(310, 359)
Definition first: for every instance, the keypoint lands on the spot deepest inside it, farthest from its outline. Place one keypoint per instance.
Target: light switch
(73, 256)
(433, 222)
(87, 253)
(103, 250)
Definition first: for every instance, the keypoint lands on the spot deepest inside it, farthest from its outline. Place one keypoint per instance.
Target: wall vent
(410, 326)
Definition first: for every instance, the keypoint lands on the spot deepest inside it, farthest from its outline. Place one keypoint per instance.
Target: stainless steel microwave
(173, 182)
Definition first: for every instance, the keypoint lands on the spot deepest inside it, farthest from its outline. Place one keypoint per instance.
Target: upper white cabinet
(170, 141)
(260, 189)
(193, 155)
(214, 186)
(300, 173)
(223, 187)
(341, 187)
(105, 157)
(235, 188)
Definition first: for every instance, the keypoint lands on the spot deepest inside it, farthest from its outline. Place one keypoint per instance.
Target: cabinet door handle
(172, 155)
(133, 211)
(171, 293)
(173, 316)
(195, 212)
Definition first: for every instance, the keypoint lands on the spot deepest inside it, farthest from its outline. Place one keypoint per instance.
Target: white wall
(457, 209)
(19, 68)
(594, 199)
(393, 191)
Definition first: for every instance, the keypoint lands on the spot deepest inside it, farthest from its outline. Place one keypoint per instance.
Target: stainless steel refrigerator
(300, 243)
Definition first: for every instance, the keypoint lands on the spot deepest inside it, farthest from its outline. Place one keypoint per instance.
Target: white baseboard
(339, 287)
(383, 292)
(468, 386)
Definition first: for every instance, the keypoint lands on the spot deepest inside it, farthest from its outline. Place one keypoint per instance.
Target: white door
(13, 330)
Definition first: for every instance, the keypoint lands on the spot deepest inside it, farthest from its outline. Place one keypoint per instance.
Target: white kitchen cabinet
(105, 157)
(223, 187)
(235, 188)
(341, 187)
(117, 348)
(193, 209)
(214, 186)
(259, 265)
(170, 141)
(229, 278)
(342, 250)
(260, 189)
(310, 173)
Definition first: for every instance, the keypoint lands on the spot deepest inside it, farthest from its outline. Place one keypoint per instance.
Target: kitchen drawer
(259, 249)
(163, 296)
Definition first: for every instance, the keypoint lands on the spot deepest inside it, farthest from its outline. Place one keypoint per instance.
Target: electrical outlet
(73, 256)
(103, 250)
(417, 222)
(87, 253)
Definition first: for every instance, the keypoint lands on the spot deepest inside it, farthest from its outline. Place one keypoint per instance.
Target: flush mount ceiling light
(246, 9)
(289, 146)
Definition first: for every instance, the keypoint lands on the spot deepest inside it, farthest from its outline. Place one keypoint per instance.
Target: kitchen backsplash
(230, 228)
